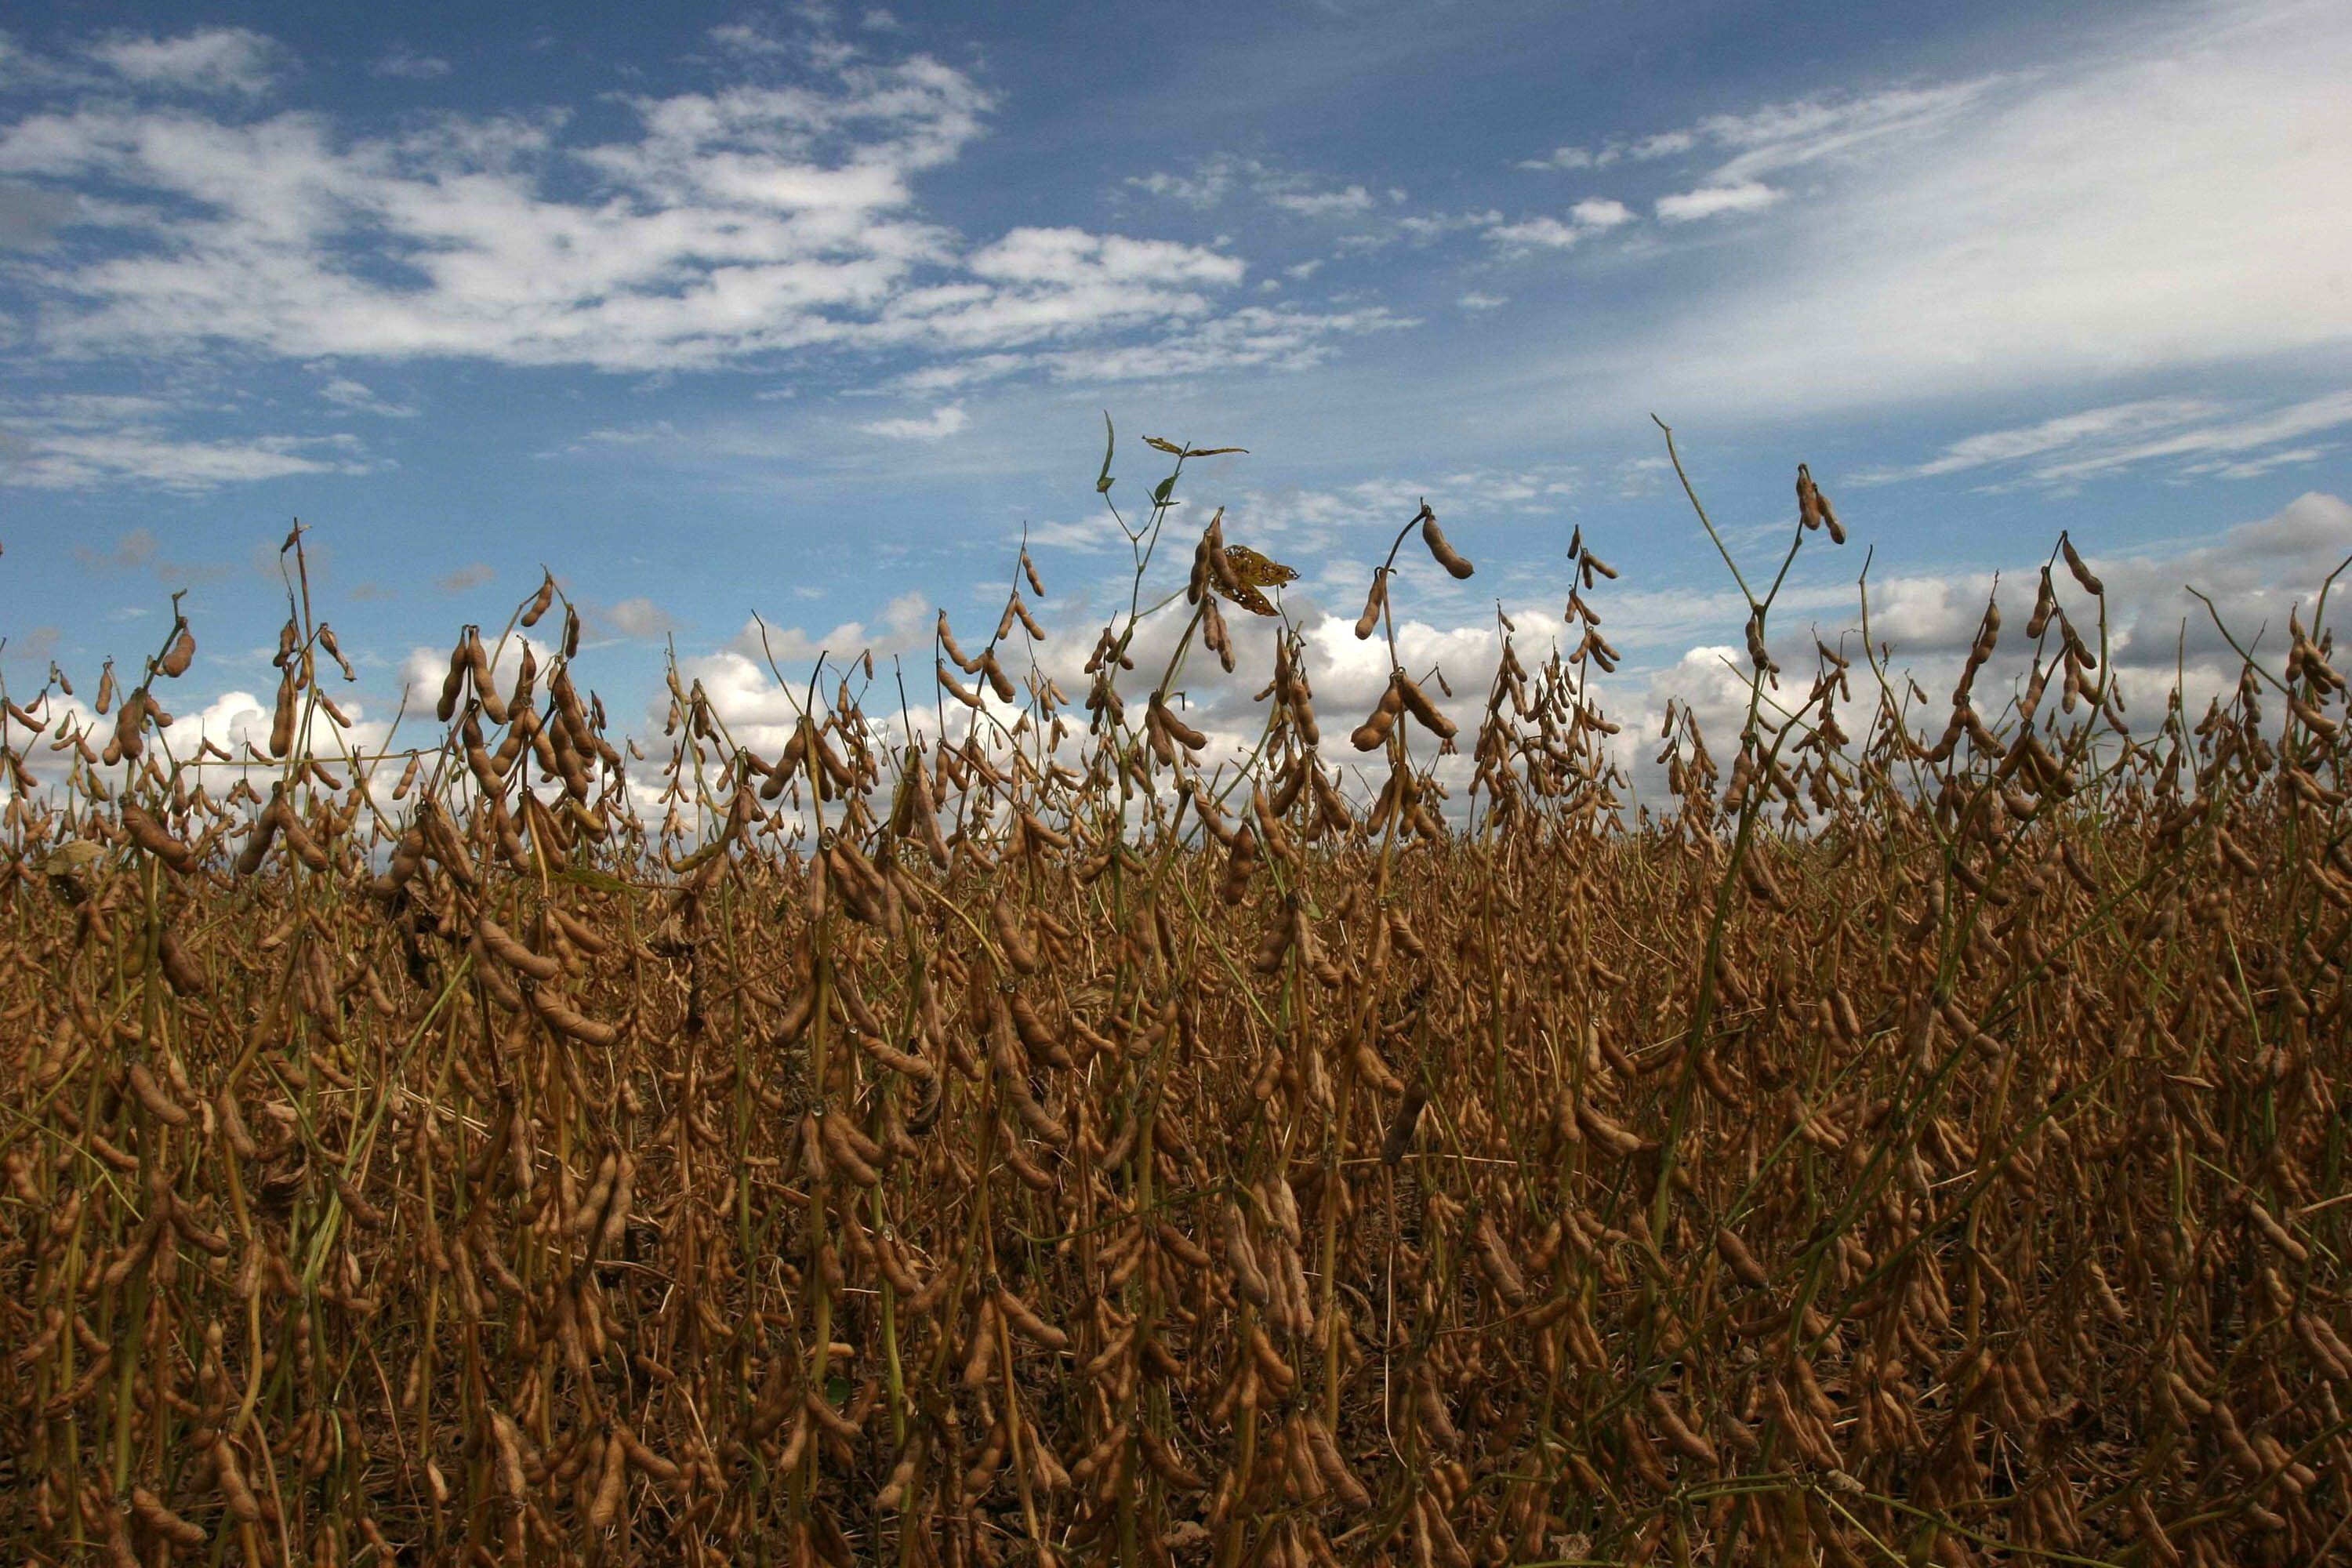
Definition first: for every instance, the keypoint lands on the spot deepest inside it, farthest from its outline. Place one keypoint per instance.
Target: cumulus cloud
(758, 710)
(1536, 234)
(1214, 178)
(905, 624)
(634, 618)
(1205, 187)
(1715, 200)
(2159, 632)
(936, 425)
(232, 60)
(1594, 214)
(752, 220)
(1674, 639)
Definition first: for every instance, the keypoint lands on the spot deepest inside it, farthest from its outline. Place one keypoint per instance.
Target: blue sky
(808, 311)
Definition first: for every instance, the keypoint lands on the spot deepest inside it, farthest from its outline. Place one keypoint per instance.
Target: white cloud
(1793, 134)
(1073, 257)
(940, 424)
(1534, 234)
(76, 443)
(746, 222)
(2159, 634)
(1592, 215)
(2173, 198)
(1089, 538)
(637, 617)
(1474, 301)
(1663, 144)
(1560, 158)
(1205, 187)
(2227, 441)
(213, 60)
(905, 626)
(1251, 337)
(1221, 174)
(1255, 336)
(1713, 201)
(30, 217)
(1353, 202)
(1788, 134)
(2192, 434)
(356, 397)
(405, 64)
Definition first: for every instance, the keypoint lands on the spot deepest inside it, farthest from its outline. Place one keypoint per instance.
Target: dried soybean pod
(1005, 922)
(1022, 1319)
(1443, 552)
(239, 1495)
(150, 1094)
(540, 600)
(512, 952)
(281, 723)
(610, 1486)
(232, 1125)
(180, 653)
(155, 1516)
(453, 685)
(2082, 573)
(150, 836)
(1374, 597)
(616, 1213)
(1401, 1130)
(1742, 1262)
(1417, 703)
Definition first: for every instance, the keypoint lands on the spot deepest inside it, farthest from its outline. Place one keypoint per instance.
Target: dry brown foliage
(1922, 1148)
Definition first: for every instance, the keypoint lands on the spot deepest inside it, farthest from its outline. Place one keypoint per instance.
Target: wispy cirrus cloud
(2183, 435)
(1750, 146)
(2167, 202)
(83, 441)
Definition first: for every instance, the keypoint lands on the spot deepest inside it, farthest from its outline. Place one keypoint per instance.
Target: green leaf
(1103, 481)
(1163, 490)
(837, 1389)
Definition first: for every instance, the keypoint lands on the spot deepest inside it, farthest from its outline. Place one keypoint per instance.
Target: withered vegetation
(1916, 1146)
